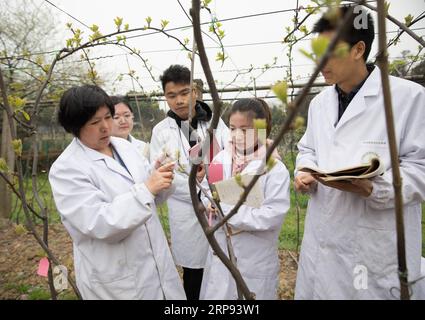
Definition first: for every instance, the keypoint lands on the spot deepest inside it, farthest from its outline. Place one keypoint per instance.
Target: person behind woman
(106, 198)
(254, 231)
(123, 124)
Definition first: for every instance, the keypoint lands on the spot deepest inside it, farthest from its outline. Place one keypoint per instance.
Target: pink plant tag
(43, 267)
(194, 151)
(215, 172)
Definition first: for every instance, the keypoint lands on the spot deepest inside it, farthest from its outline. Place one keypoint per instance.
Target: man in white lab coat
(105, 192)
(175, 137)
(349, 245)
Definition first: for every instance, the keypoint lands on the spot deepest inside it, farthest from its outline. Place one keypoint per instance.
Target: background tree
(28, 37)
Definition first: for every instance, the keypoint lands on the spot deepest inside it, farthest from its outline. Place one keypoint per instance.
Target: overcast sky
(249, 41)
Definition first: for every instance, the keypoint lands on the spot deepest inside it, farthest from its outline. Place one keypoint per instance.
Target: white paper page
(230, 192)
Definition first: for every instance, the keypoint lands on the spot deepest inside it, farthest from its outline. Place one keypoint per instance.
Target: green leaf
(96, 35)
(260, 124)
(118, 22)
(94, 28)
(307, 54)
(3, 165)
(304, 29)
(20, 229)
(280, 89)
(164, 23)
(148, 20)
(17, 147)
(220, 57)
(319, 46)
(342, 50)
(16, 102)
(298, 122)
(271, 163)
(215, 196)
(238, 179)
(26, 115)
(387, 7)
(310, 9)
(16, 86)
(205, 3)
(69, 43)
(408, 20)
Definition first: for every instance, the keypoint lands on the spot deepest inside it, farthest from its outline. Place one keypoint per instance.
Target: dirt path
(20, 255)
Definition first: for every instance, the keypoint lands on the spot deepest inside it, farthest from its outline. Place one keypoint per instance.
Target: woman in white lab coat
(349, 247)
(123, 123)
(171, 136)
(255, 231)
(106, 196)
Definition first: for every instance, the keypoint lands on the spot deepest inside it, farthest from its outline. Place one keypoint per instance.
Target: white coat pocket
(121, 287)
(376, 250)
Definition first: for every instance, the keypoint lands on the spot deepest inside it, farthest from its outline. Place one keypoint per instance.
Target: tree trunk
(6, 153)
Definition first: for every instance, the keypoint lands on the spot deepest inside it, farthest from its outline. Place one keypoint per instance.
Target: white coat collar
(201, 131)
(358, 105)
(172, 124)
(112, 164)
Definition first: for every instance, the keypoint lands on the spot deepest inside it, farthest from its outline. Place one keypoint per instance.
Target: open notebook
(229, 191)
(369, 170)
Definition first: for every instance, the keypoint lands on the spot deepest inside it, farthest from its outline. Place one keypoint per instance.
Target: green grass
(46, 196)
(163, 217)
(293, 227)
(423, 229)
(38, 293)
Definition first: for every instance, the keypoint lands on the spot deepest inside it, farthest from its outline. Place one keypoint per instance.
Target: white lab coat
(346, 234)
(120, 250)
(188, 242)
(141, 146)
(256, 246)
(421, 283)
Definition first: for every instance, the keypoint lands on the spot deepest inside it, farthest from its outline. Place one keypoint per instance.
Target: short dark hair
(175, 73)
(351, 34)
(121, 99)
(256, 108)
(79, 104)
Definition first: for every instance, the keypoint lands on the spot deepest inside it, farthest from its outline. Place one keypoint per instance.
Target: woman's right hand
(161, 178)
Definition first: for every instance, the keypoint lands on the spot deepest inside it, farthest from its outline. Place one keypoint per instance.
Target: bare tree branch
(199, 208)
(395, 168)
